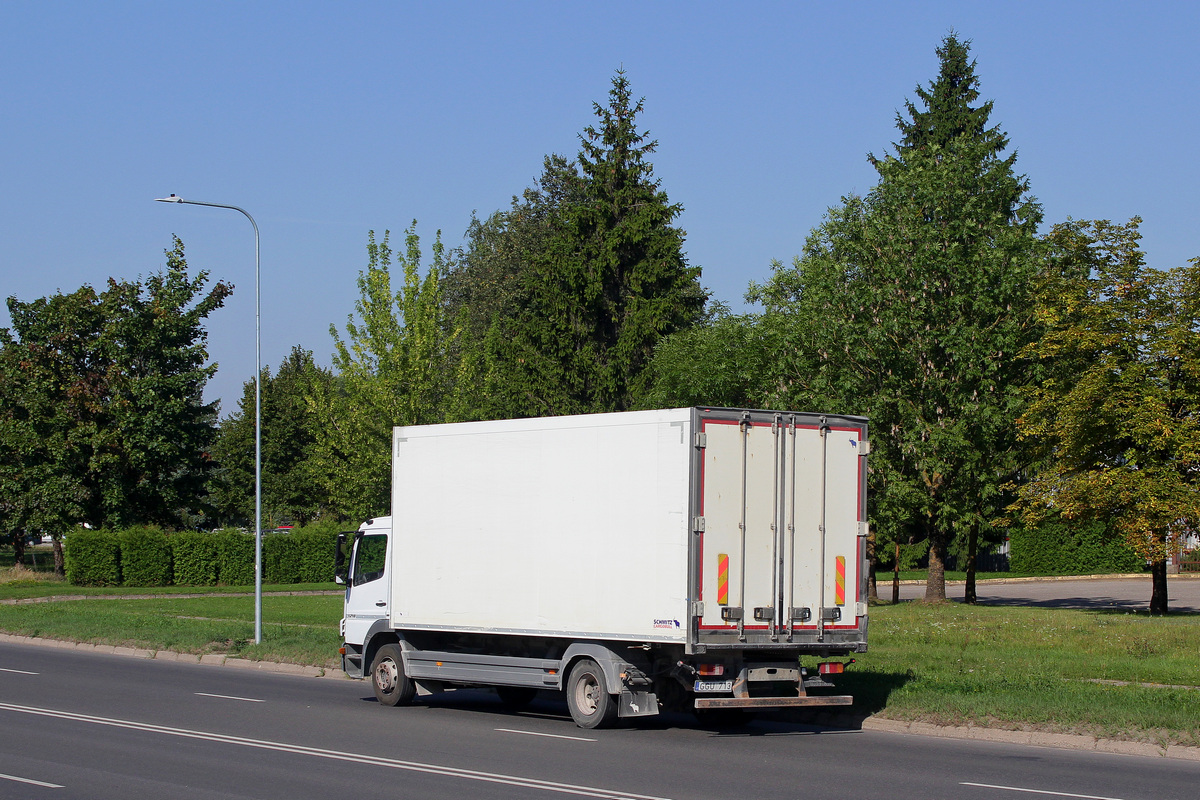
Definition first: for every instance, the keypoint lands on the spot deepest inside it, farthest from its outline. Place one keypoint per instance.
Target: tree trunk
(60, 566)
(896, 577)
(18, 548)
(972, 547)
(1158, 594)
(935, 584)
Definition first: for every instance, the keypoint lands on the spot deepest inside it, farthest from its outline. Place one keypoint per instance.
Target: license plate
(714, 686)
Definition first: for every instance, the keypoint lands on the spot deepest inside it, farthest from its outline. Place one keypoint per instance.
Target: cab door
(368, 589)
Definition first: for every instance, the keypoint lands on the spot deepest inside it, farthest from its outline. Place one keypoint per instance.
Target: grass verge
(1028, 668)
(299, 629)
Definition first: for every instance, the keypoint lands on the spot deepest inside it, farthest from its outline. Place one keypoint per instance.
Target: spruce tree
(606, 279)
(910, 306)
(948, 114)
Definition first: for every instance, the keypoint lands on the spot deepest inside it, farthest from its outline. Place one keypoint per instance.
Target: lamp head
(171, 199)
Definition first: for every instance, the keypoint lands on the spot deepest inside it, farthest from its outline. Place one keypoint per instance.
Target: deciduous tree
(1116, 419)
(101, 414)
(910, 306)
(291, 489)
(390, 369)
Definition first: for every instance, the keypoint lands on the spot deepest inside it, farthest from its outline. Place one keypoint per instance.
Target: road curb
(208, 659)
(1062, 741)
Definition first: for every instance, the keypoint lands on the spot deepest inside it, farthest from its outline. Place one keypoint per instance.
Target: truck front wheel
(587, 696)
(392, 686)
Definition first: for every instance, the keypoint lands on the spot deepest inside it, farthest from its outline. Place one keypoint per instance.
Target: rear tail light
(711, 669)
(833, 667)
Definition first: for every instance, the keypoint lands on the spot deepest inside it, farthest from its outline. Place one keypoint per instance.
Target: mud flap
(637, 704)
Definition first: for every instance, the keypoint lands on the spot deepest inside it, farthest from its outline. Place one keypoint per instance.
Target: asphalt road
(82, 725)
(1115, 594)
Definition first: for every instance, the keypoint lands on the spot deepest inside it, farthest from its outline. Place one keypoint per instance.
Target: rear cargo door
(781, 501)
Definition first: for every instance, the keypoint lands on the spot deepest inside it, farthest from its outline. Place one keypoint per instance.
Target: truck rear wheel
(392, 686)
(587, 696)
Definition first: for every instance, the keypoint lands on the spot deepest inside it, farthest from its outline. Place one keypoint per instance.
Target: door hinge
(701, 440)
(698, 524)
(864, 447)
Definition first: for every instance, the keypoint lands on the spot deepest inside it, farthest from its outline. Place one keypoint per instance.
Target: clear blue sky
(328, 120)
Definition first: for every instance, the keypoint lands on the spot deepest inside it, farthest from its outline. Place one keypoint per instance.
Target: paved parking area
(1118, 594)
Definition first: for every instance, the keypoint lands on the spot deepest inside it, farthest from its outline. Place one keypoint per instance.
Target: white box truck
(683, 558)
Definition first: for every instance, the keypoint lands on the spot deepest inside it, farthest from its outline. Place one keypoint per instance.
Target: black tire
(515, 698)
(392, 686)
(587, 696)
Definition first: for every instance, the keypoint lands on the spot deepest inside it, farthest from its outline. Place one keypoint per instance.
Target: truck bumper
(772, 702)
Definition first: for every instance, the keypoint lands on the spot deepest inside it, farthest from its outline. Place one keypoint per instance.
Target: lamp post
(257, 414)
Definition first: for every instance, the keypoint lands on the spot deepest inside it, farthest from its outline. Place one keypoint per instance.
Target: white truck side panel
(570, 526)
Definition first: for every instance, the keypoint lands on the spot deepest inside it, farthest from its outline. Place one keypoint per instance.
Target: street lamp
(257, 414)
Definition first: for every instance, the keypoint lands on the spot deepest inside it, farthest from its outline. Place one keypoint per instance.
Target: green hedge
(93, 558)
(303, 555)
(145, 557)
(195, 558)
(1059, 547)
(318, 543)
(281, 557)
(235, 557)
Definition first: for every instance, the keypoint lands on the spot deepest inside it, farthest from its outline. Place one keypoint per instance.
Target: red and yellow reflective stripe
(723, 579)
(841, 580)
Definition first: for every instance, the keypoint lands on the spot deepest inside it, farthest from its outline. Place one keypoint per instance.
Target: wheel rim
(387, 675)
(587, 694)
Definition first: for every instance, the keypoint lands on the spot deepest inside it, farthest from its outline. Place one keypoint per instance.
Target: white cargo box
(708, 527)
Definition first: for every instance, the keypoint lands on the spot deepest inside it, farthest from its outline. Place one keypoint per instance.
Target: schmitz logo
(666, 624)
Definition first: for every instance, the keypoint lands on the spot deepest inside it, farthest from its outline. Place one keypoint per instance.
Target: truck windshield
(370, 557)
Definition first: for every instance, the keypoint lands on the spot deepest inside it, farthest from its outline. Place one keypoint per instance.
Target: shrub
(303, 555)
(196, 559)
(281, 558)
(93, 558)
(145, 556)
(317, 543)
(1060, 547)
(235, 557)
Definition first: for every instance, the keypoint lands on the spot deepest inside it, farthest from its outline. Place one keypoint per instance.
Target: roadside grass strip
(1109, 675)
(296, 629)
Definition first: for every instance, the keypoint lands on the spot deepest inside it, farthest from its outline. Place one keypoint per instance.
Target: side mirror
(340, 573)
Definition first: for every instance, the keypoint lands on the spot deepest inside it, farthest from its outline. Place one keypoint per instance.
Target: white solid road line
(19, 671)
(31, 781)
(547, 735)
(230, 697)
(1039, 791)
(335, 755)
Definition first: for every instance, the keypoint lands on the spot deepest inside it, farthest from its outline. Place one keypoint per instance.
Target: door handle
(381, 603)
